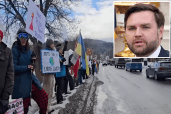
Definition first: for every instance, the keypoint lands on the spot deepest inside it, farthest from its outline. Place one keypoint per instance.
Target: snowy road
(126, 92)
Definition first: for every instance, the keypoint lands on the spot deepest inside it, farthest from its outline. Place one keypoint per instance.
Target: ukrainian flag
(80, 50)
(78, 47)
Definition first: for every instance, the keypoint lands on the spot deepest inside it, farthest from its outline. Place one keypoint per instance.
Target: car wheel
(125, 69)
(141, 70)
(155, 76)
(130, 70)
(147, 76)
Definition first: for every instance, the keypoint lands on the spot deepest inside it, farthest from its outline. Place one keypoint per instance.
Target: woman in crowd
(26, 85)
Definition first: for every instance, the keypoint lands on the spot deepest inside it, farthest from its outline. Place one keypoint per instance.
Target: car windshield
(165, 64)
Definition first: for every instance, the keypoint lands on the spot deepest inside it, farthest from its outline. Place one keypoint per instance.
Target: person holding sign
(26, 84)
(7, 74)
(48, 83)
(59, 75)
(65, 78)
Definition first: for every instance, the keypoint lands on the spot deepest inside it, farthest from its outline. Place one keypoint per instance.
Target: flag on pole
(75, 67)
(87, 68)
(80, 49)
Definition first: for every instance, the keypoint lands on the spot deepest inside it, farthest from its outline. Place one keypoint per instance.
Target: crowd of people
(17, 78)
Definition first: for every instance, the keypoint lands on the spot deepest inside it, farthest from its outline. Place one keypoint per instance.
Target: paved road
(125, 92)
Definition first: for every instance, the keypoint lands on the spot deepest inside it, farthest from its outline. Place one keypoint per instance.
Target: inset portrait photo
(142, 29)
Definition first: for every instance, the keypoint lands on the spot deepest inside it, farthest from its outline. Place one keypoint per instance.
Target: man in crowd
(48, 83)
(7, 74)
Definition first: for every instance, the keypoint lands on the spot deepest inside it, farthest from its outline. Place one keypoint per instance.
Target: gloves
(3, 106)
(63, 60)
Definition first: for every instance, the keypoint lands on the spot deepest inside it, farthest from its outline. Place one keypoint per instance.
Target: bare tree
(57, 12)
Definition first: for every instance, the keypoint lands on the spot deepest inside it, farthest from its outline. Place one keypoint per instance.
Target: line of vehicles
(159, 70)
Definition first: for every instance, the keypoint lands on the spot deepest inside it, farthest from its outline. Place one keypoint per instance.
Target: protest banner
(50, 61)
(16, 107)
(66, 56)
(35, 22)
(74, 58)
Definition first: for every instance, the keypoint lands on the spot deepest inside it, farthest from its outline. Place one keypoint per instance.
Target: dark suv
(120, 62)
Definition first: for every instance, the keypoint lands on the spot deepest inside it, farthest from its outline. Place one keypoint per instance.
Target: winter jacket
(63, 69)
(23, 77)
(93, 66)
(62, 73)
(6, 72)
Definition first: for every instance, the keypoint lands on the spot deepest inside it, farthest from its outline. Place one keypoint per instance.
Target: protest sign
(50, 61)
(35, 22)
(16, 107)
(74, 58)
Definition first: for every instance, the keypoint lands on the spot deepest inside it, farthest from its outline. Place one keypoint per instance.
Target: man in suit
(144, 26)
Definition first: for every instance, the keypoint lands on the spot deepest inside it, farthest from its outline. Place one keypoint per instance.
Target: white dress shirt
(156, 53)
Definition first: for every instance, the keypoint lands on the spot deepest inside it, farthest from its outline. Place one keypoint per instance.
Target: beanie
(49, 42)
(58, 47)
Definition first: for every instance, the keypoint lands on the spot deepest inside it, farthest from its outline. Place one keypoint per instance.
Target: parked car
(133, 66)
(104, 64)
(159, 70)
(120, 62)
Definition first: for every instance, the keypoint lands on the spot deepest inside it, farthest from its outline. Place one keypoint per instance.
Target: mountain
(99, 47)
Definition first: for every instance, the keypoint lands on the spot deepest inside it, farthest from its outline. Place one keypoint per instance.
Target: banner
(35, 22)
(74, 58)
(16, 107)
(50, 61)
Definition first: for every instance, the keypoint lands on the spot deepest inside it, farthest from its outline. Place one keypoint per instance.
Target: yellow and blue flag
(80, 49)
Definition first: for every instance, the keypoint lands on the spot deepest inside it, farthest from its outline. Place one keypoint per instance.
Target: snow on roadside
(57, 107)
(101, 98)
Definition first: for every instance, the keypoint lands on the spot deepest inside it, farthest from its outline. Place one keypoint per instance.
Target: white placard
(50, 61)
(74, 58)
(16, 107)
(35, 22)
(66, 56)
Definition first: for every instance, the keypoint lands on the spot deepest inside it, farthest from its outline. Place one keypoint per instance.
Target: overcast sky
(96, 18)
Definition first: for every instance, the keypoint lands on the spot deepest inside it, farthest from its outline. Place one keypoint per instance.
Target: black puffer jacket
(6, 72)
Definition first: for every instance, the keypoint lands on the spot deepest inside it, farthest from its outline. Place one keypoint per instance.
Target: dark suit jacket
(163, 53)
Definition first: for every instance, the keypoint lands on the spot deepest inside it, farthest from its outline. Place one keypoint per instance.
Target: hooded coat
(23, 77)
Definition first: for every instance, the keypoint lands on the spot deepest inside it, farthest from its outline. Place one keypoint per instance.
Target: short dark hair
(159, 17)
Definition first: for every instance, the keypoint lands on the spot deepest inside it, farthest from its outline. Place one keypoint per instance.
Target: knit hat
(22, 30)
(1, 31)
(58, 47)
(49, 42)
